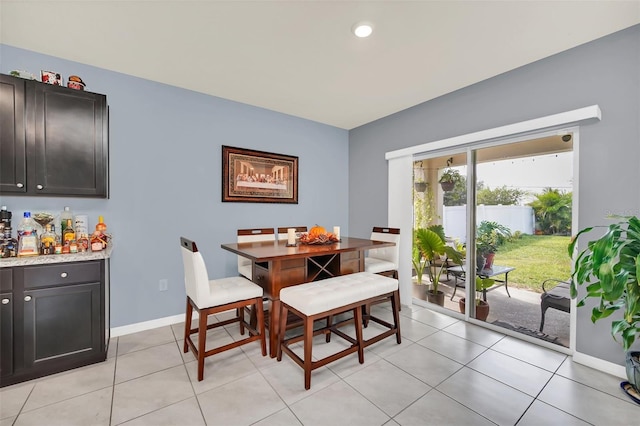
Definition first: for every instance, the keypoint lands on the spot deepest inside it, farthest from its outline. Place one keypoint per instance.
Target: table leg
(274, 328)
(506, 281)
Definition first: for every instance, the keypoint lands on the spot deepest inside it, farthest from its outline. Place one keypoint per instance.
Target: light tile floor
(445, 372)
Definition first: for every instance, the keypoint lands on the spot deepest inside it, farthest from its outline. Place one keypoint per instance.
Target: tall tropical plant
(610, 267)
(431, 244)
(552, 209)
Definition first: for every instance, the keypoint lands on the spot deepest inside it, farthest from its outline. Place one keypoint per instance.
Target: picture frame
(251, 176)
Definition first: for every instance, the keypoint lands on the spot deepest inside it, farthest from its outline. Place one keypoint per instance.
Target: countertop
(55, 258)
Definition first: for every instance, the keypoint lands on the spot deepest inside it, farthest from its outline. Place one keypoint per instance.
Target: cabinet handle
(63, 275)
(5, 301)
(19, 185)
(27, 298)
(39, 186)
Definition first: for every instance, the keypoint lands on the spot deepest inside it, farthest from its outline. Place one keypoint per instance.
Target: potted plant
(610, 267)
(419, 263)
(431, 244)
(482, 307)
(449, 179)
(420, 185)
(489, 236)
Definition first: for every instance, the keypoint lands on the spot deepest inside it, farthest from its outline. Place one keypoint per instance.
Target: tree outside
(552, 209)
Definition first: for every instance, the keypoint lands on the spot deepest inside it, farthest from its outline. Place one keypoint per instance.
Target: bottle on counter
(83, 243)
(28, 236)
(101, 226)
(99, 239)
(65, 216)
(5, 217)
(9, 245)
(47, 241)
(68, 234)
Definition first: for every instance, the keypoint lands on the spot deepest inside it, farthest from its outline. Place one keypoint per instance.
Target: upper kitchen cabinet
(54, 140)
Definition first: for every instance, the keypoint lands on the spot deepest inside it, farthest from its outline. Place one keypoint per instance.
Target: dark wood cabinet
(57, 321)
(13, 154)
(6, 323)
(55, 141)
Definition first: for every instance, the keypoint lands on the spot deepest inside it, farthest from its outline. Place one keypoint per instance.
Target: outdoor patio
(520, 312)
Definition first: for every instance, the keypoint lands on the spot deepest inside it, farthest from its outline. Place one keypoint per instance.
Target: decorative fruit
(316, 231)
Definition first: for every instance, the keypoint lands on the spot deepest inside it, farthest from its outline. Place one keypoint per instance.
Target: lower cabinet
(55, 320)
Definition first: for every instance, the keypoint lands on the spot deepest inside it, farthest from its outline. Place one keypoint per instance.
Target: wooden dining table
(276, 266)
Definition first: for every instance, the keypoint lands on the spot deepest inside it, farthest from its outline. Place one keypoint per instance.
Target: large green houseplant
(610, 268)
(431, 244)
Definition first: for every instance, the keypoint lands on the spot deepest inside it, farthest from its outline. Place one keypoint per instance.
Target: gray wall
(165, 162)
(604, 72)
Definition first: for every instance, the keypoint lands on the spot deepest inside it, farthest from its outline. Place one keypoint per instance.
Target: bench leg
(357, 323)
(329, 324)
(308, 342)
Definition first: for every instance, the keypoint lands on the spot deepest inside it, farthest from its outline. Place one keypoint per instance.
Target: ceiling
(300, 57)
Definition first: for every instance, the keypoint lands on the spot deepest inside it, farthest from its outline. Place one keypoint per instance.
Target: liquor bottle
(27, 236)
(47, 241)
(65, 216)
(9, 245)
(68, 234)
(100, 226)
(5, 217)
(83, 243)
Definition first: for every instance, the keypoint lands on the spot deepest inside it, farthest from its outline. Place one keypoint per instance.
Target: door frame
(400, 200)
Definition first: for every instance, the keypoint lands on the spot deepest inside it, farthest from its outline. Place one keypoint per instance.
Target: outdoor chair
(557, 298)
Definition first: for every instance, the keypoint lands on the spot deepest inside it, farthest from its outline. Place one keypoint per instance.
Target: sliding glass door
(520, 225)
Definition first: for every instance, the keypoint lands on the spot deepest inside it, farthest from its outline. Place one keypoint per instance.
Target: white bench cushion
(325, 295)
(228, 290)
(375, 265)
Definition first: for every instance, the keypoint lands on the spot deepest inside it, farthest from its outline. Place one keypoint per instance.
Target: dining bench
(325, 299)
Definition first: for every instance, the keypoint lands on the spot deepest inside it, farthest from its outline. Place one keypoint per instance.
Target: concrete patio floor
(522, 309)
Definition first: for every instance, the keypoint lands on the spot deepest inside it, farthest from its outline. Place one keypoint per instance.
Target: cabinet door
(70, 141)
(61, 322)
(13, 160)
(6, 334)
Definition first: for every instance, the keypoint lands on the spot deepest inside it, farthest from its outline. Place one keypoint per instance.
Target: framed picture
(250, 176)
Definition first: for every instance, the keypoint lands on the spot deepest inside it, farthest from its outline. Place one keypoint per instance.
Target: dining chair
(209, 297)
(282, 231)
(249, 236)
(384, 260)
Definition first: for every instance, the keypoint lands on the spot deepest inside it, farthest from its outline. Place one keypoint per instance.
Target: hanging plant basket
(420, 186)
(447, 186)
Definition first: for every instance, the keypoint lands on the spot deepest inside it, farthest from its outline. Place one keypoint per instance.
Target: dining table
(276, 265)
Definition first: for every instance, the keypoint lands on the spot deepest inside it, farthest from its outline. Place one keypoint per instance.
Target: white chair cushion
(321, 296)
(375, 266)
(228, 290)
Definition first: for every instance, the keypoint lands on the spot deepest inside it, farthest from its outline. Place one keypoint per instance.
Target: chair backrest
(390, 254)
(253, 235)
(282, 231)
(196, 278)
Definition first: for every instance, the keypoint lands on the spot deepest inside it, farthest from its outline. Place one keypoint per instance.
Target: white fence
(516, 218)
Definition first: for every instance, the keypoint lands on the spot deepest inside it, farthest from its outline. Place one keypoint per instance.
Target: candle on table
(336, 231)
(291, 236)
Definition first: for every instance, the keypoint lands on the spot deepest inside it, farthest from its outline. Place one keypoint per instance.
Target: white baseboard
(147, 325)
(600, 364)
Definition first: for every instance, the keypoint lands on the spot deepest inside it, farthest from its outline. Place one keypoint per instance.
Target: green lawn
(536, 258)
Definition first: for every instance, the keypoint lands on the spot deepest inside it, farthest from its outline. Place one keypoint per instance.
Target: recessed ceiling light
(362, 29)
